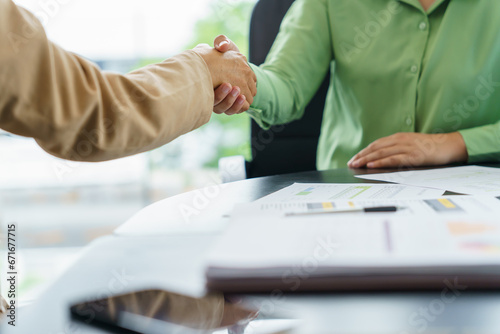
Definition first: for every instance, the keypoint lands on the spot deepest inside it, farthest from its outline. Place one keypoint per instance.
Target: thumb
(224, 44)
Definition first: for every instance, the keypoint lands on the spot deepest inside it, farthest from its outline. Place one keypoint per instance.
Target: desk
(172, 259)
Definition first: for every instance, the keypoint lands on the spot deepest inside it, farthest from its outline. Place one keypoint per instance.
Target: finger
(248, 95)
(377, 155)
(245, 107)
(376, 145)
(221, 93)
(399, 160)
(250, 90)
(236, 107)
(220, 40)
(224, 44)
(228, 102)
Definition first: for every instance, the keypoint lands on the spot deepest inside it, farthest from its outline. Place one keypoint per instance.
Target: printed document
(332, 191)
(474, 206)
(426, 242)
(470, 180)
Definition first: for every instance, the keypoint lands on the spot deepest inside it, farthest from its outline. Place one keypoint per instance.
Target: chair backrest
(290, 147)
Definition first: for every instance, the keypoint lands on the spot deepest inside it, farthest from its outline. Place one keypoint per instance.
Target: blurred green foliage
(225, 17)
(230, 18)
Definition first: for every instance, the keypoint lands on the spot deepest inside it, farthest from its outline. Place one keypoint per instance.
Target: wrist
(457, 150)
(207, 54)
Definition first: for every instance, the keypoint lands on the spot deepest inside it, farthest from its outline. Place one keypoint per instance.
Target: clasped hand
(233, 80)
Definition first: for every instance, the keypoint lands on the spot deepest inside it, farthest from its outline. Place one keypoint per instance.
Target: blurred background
(60, 206)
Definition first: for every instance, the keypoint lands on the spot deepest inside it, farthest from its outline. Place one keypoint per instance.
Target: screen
(158, 311)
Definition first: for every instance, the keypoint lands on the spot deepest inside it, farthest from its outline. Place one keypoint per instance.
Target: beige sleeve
(75, 111)
(3, 308)
(202, 313)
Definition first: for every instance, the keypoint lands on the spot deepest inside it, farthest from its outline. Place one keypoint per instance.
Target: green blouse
(394, 68)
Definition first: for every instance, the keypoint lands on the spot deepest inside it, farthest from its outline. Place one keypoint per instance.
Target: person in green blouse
(413, 82)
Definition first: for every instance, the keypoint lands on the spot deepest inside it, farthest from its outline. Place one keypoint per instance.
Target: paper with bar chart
(324, 192)
(476, 206)
(431, 240)
(368, 238)
(470, 180)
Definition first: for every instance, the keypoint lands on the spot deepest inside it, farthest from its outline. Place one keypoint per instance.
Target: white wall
(116, 29)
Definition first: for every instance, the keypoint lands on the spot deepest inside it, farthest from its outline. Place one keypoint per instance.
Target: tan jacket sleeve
(75, 111)
(3, 308)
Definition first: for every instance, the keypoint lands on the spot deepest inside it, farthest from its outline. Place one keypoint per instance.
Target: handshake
(233, 80)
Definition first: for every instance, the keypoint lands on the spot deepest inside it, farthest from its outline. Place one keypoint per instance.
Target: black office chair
(284, 148)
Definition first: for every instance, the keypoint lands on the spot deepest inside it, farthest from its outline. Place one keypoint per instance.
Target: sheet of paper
(471, 180)
(476, 206)
(361, 243)
(319, 192)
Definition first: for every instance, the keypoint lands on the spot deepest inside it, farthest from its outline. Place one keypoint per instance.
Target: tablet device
(159, 311)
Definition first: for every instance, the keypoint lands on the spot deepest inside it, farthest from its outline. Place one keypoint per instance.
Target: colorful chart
(320, 206)
(459, 228)
(481, 247)
(443, 205)
(351, 192)
(306, 192)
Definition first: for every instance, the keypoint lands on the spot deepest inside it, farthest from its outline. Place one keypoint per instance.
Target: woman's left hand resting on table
(412, 149)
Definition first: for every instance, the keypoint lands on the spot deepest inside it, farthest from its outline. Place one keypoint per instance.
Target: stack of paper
(429, 242)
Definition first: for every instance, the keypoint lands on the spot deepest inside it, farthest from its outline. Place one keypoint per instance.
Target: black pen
(390, 208)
